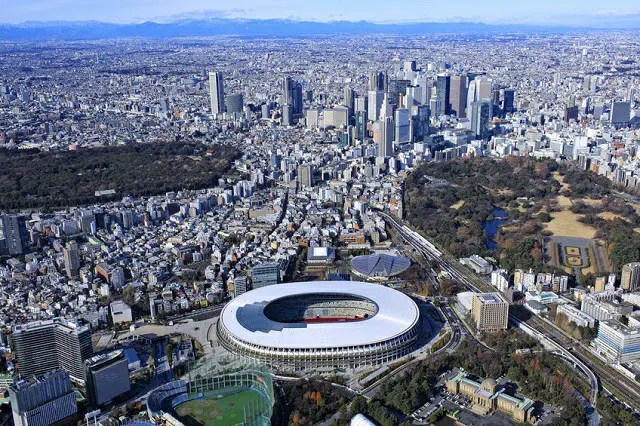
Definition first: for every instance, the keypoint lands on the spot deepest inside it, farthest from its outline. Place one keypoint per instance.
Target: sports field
(212, 410)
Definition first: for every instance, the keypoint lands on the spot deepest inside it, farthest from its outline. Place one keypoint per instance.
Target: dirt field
(457, 205)
(565, 223)
(612, 216)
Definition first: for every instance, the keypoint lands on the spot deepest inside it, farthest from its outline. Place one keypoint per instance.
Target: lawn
(227, 411)
(566, 224)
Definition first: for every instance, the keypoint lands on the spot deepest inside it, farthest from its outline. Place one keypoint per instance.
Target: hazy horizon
(589, 13)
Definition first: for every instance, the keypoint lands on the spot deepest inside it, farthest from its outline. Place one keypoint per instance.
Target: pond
(492, 226)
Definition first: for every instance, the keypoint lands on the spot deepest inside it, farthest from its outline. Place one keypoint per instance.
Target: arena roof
(244, 317)
(379, 265)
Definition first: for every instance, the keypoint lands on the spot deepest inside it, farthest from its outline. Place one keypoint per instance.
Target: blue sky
(622, 13)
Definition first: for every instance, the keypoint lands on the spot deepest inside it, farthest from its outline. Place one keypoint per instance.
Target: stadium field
(213, 409)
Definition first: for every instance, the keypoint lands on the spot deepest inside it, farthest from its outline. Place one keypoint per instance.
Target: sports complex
(340, 324)
(232, 398)
(379, 266)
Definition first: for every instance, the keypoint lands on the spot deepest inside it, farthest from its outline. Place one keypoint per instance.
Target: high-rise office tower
(45, 400)
(458, 95)
(480, 89)
(361, 125)
(43, 346)
(423, 89)
(14, 238)
(265, 274)
(421, 122)
(305, 175)
(620, 113)
(287, 115)
(397, 88)
(349, 97)
(361, 104)
(403, 132)
(376, 97)
(508, 101)
(485, 88)
(386, 109)
(383, 132)
(216, 92)
(480, 119)
(630, 277)
(235, 103)
(377, 81)
(443, 85)
(409, 66)
(107, 377)
(71, 259)
(292, 94)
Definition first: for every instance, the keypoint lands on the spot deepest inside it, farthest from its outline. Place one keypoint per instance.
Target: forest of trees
(483, 184)
(525, 188)
(44, 180)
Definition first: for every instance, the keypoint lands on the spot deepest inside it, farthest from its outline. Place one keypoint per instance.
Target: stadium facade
(340, 324)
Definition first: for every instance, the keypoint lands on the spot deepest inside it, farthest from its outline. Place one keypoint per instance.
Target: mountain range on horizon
(94, 30)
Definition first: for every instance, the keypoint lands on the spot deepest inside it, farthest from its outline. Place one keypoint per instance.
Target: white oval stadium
(343, 324)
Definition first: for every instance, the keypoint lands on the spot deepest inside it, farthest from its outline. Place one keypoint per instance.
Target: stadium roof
(379, 265)
(244, 317)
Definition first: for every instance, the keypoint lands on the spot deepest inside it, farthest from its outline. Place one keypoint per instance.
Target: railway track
(611, 380)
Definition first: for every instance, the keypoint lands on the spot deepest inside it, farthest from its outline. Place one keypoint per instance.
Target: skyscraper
(305, 175)
(376, 98)
(383, 136)
(620, 113)
(43, 346)
(235, 103)
(458, 95)
(71, 259)
(403, 133)
(443, 85)
(361, 125)
(480, 118)
(292, 94)
(349, 97)
(44, 400)
(216, 92)
(508, 99)
(397, 88)
(14, 238)
(377, 81)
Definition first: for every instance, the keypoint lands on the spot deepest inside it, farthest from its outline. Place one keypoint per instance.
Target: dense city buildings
(324, 133)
